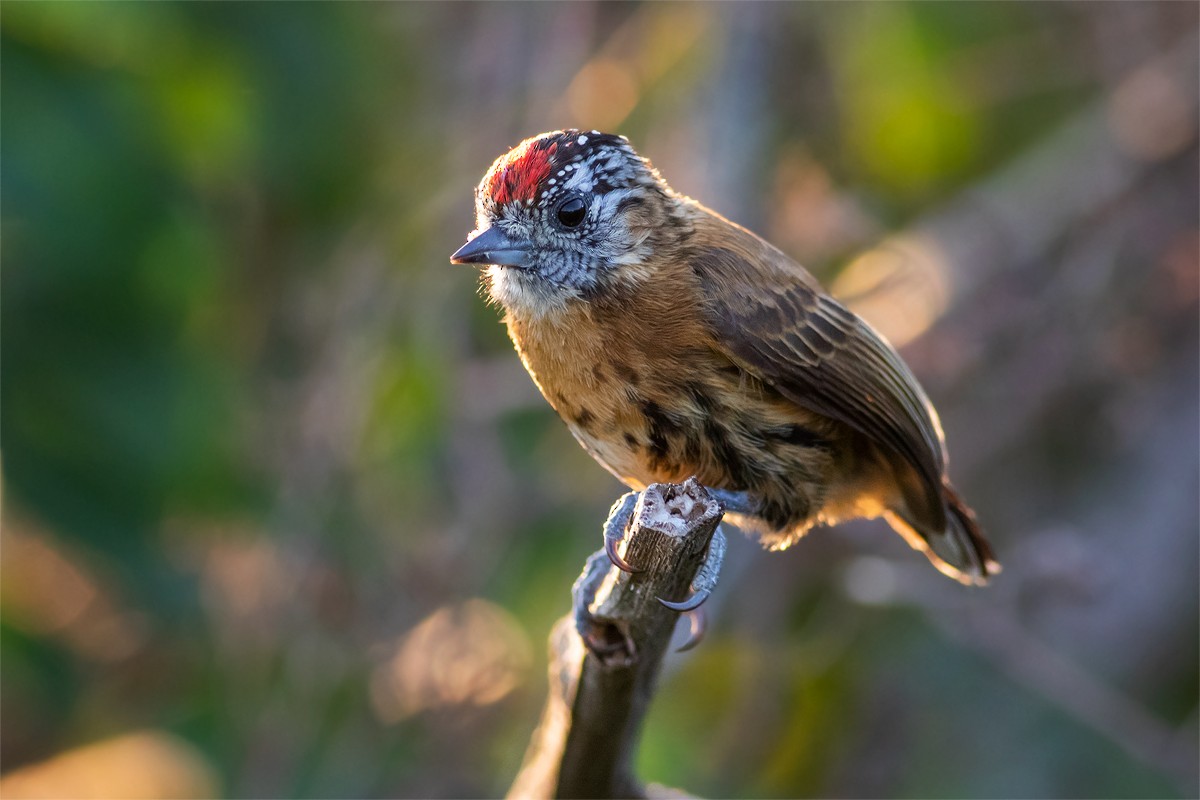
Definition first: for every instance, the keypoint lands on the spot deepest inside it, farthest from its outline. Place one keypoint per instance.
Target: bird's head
(566, 215)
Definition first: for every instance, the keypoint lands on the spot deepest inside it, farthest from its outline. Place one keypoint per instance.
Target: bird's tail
(961, 550)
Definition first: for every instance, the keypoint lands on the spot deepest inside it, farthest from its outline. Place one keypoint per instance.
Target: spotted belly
(727, 432)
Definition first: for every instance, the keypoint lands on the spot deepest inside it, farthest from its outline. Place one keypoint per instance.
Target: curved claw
(691, 603)
(698, 620)
(610, 549)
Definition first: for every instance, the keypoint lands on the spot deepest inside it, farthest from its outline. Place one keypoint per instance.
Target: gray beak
(493, 247)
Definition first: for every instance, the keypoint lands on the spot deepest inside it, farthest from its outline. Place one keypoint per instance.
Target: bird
(677, 344)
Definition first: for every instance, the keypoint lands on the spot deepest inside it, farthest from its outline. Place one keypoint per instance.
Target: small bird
(675, 343)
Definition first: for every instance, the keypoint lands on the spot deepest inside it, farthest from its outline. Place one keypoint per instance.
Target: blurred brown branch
(584, 745)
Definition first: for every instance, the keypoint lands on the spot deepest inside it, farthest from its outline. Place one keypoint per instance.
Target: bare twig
(584, 746)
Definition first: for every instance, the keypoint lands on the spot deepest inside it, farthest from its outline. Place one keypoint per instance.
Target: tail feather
(960, 550)
(961, 524)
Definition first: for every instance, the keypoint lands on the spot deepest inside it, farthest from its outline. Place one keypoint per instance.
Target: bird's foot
(600, 636)
(617, 524)
(702, 588)
(614, 530)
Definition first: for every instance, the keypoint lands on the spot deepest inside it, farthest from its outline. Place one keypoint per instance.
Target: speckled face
(567, 198)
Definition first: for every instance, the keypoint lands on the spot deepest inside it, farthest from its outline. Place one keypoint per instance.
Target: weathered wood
(585, 744)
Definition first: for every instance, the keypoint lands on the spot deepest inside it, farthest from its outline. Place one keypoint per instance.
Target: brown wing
(776, 323)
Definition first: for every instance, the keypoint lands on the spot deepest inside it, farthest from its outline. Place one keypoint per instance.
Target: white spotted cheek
(604, 211)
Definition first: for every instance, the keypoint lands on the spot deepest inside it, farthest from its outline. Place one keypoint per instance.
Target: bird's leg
(735, 502)
(614, 530)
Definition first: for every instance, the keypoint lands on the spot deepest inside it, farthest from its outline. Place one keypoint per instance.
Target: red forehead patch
(518, 175)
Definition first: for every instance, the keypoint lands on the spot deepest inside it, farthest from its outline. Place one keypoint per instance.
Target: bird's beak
(493, 247)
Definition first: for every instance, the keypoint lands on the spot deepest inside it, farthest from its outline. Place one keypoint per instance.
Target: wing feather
(776, 323)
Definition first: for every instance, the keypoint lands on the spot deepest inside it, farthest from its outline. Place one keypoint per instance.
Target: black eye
(571, 212)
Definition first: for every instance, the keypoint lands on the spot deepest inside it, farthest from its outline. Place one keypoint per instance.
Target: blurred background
(283, 516)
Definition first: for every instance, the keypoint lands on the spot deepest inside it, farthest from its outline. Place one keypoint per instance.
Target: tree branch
(598, 698)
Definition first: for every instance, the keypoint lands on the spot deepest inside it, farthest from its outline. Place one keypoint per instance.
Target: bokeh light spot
(603, 94)
(473, 654)
(146, 764)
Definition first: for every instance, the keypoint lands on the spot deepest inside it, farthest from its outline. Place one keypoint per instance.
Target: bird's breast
(643, 389)
(602, 366)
